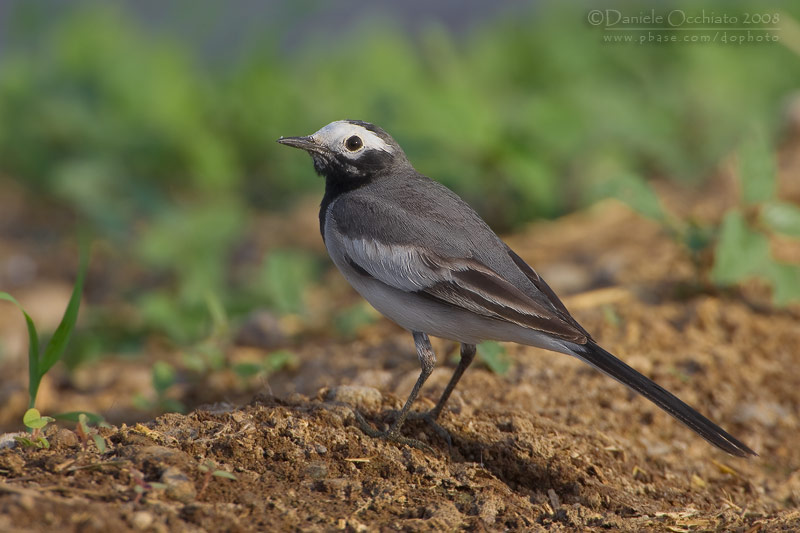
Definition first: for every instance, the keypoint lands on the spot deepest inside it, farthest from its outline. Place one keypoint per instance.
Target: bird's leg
(427, 360)
(467, 355)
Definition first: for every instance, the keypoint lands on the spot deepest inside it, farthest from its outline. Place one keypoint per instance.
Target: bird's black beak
(304, 143)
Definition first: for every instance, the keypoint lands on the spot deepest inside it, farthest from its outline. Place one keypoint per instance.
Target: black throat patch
(343, 175)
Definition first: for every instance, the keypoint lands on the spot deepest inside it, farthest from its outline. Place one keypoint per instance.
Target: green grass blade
(55, 348)
(33, 350)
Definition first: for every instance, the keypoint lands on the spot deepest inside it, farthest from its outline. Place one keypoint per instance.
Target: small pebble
(64, 438)
(141, 520)
(365, 398)
(179, 486)
(317, 470)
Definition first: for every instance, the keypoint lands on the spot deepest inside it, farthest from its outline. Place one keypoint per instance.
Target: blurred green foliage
(285, 275)
(743, 249)
(350, 320)
(163, 377)
(271, 363)
(494, 355)
(167, 156)
(121, 122)
(741, 241)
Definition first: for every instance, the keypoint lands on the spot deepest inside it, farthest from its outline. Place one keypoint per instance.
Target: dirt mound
(551, 444)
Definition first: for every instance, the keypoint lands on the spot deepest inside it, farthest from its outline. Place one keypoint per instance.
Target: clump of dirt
(550, 445)
(301, 464)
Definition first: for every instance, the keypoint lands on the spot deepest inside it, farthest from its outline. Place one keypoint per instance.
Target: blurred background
(150, 128)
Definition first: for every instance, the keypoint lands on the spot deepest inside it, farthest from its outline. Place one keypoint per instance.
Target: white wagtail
(422, 257)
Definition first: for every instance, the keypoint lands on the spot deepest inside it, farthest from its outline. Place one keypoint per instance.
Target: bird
(423, 258)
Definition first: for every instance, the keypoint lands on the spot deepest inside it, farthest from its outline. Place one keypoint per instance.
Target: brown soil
(551, 444)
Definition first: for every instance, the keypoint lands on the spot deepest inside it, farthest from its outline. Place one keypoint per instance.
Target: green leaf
(55, 348)
(100, 442)
(163, 376)
(495, 356)
(33, 351)
(782, 217)
(248, 370)
(740, 252)
(222, 473)
(757, 173)
(31, 418)
(279, 359)
(82, 423)
(34, 419)
(26, 442)
(785, 281)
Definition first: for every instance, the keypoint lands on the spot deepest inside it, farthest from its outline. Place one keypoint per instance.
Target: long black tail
(610, 365)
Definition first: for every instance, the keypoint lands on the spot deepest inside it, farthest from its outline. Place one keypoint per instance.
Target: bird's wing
(461, 282)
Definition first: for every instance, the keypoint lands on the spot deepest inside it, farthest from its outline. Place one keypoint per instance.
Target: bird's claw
(392, 434)
(430, 418)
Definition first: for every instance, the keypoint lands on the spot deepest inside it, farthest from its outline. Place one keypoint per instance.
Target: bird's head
(350, 150)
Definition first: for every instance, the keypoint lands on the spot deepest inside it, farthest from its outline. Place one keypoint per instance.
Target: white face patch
(335, 137)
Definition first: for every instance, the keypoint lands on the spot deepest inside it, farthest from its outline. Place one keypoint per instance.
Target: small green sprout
(35, 422)
(40, 363)
(141, 487)
(210, 469)
(85, 433)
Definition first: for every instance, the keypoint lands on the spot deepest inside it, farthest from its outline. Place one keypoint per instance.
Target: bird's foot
(392, 434)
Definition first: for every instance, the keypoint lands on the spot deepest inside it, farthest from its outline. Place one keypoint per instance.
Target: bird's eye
(353, 143)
